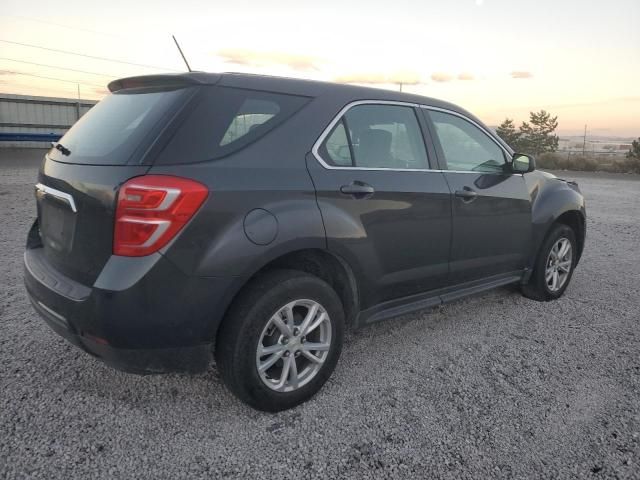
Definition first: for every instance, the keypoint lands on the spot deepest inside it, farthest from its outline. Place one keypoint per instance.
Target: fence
(33, 122)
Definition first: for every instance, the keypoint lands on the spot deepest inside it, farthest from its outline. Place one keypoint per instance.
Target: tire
(539, 287)
(280, 295)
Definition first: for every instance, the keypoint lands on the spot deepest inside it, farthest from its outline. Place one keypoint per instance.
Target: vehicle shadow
(195, 394)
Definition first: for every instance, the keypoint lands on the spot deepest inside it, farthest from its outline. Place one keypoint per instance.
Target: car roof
(295, 86)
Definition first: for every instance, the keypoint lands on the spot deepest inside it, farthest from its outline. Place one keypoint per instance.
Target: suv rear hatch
(153, 120)
(79, 179)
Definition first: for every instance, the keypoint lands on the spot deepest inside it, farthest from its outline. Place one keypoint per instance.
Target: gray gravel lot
(493, 386)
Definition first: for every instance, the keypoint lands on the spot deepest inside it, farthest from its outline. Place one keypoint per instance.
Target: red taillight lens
(151, 210)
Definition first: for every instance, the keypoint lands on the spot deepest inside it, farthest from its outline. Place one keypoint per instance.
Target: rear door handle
(358, 189)
(466, 194)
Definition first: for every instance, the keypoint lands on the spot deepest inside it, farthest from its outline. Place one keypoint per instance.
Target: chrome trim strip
(52, 312)
(338, 117)
(172, 194)
(65, 197)
(347, 107)
(161, 227)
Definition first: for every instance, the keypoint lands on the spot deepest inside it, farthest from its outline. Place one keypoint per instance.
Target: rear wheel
(554, 266)
(281, 340)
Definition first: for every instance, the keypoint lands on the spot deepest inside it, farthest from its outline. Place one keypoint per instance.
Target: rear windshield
(225, 120)
(118, 128)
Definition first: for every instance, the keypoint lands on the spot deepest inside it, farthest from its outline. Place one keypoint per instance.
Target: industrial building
(34, 122)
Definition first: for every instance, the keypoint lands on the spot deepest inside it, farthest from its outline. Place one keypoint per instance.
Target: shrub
(632, 165)
(549, 160)
(581, 163)
(555, 161)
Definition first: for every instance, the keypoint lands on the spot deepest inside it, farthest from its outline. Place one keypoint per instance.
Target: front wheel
(554, 266)
(281, 340)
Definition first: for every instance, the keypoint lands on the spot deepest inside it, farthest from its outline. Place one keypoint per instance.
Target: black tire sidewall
(266, 297)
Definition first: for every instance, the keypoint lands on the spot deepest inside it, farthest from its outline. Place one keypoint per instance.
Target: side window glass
(252, 114)
(381, 136)
(465, 146)
(336, 147)
(386, 136)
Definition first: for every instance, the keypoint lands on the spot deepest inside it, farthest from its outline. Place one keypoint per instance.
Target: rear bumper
(140, 316)
(141, 361)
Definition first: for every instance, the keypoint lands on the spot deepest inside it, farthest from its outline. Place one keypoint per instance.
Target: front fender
(551, 198)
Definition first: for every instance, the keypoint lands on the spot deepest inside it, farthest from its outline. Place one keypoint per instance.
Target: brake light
(151, 210)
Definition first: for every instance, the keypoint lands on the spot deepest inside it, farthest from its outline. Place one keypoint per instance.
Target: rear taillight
(151, 210)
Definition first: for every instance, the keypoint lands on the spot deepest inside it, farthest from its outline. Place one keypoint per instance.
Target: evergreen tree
(537, 136)
(507, 132)
(634, 151)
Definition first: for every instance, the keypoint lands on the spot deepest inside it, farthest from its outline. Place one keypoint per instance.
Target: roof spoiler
(169, 80)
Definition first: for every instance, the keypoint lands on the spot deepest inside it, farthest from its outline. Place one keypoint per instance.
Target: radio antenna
(182, 54)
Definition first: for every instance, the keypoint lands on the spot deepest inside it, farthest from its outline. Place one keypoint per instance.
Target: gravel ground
(492, 386)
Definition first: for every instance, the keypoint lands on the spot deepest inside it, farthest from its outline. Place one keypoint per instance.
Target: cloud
(519, 74)
(466, 76)
(441, 77)
(260, 59)
(376, 78)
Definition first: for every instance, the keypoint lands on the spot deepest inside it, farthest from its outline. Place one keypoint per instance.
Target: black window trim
(329, 129)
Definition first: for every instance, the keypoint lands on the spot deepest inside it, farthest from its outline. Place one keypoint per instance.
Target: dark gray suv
(253, 218)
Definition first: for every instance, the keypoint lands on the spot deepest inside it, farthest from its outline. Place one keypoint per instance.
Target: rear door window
(225, 120)
(377, 136)
(116, 128)
(336, 147)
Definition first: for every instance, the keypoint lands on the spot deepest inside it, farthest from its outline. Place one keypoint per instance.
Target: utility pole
(400, 85)
(78, 104)
(584, 142)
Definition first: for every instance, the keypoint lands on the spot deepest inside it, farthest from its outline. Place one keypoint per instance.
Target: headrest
(375, 139)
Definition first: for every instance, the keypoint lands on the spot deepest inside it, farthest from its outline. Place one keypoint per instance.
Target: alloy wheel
(294, 345)
(558, 266)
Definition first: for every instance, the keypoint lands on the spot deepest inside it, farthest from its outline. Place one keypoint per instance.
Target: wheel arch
(555, 201)
(576, 220)
(573, 218)
(315, 261)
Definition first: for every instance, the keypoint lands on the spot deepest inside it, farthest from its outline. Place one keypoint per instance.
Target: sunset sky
(579, 60)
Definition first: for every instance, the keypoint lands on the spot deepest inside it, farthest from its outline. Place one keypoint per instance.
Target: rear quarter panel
(270, 175)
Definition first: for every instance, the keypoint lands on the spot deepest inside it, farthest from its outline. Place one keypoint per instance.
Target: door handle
(466, 194)
(358, 189)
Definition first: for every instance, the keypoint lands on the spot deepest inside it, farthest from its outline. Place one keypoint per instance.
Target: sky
(580, 60)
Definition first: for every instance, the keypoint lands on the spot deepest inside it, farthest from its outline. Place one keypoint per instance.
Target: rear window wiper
(64, 150)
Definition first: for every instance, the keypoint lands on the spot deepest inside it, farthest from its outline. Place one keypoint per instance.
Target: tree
(507, 132)
(537, 136)
(634, 151)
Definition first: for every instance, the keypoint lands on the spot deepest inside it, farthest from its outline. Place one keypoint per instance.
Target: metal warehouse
(27, 118)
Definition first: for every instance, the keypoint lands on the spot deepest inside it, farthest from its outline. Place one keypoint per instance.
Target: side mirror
(521, 163)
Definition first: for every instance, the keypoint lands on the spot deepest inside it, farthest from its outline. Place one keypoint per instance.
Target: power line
(95, 57)
(57, 67)
(49, 22)
(52, 78)
(25, 86)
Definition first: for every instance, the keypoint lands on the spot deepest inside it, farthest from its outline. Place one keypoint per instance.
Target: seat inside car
(374, 149)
